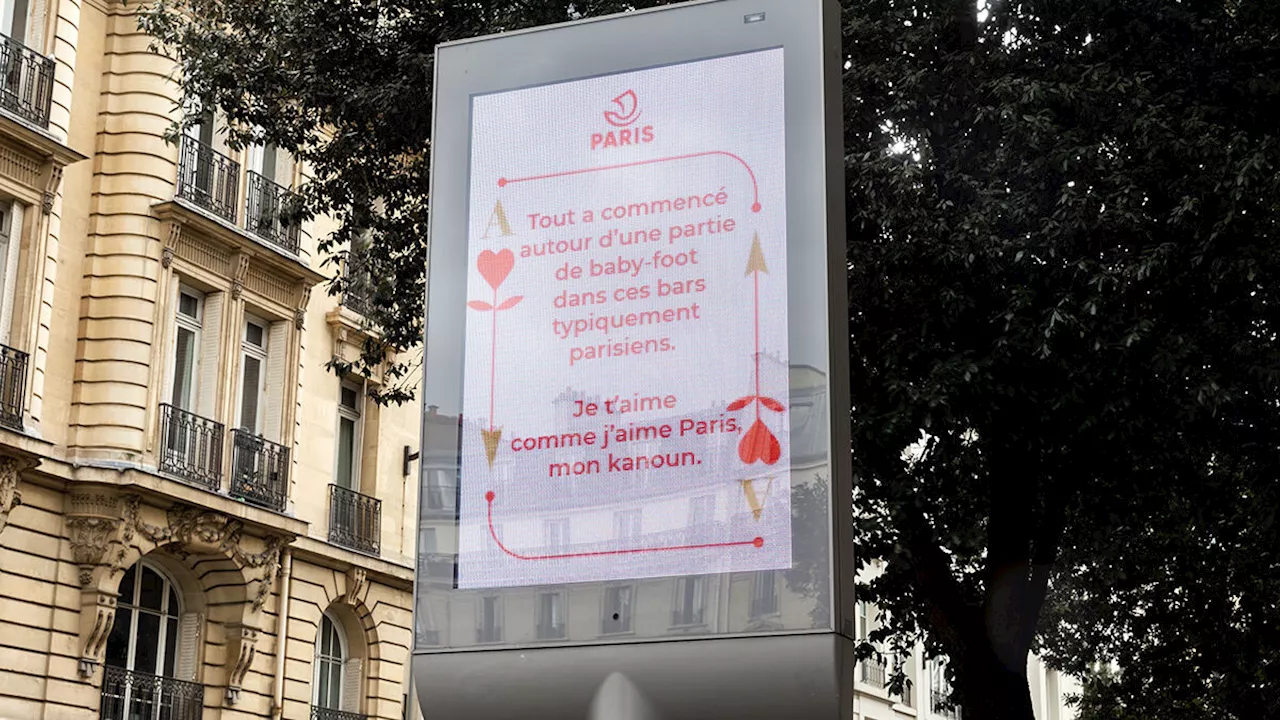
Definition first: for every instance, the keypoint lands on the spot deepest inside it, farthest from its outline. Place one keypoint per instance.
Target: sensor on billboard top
(626, 369)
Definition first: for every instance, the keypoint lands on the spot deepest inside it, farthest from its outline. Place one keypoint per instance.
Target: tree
(1063, 308)
(1063, 248)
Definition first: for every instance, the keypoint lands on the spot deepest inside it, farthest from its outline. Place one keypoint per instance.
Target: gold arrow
(491, 440)
(755, 262)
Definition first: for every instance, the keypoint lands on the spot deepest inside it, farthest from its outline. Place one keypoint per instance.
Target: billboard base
(755, 678)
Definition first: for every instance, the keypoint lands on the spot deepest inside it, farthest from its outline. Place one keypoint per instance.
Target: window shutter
(272, 426)
(9, 268)
(351, 671)
(210, 344)
(188, 646)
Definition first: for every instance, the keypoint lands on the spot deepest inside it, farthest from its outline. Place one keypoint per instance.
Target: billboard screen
(625, 363)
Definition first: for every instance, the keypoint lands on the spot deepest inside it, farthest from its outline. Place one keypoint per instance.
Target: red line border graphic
(755, 187)
(758, 542)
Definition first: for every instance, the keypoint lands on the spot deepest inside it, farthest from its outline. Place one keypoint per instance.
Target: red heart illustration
(759, 444)
(495, 267)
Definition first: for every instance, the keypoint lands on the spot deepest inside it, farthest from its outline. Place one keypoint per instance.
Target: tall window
(347, 474)
(489, 627)
(330, 666)
(10, 242)
(145, 636)
(619, 601)
(691, 601)
(186, 349)
(13, 19)
(551, 624)
(253, 376)
(764, 594)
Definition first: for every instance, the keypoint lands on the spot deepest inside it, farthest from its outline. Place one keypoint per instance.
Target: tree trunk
(991, 689)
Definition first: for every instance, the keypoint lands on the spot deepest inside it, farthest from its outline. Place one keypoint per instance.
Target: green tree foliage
(1063, 245)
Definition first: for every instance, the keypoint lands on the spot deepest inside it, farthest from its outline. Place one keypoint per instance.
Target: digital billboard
(625, 360)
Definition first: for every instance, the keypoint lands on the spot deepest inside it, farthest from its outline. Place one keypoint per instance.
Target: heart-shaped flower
(495, 266)
(759, 444)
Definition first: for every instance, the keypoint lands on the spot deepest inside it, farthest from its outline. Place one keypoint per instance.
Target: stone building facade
(197, 518)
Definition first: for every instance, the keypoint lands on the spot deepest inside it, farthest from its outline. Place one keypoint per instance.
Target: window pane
(152, 590)
(184, 368)
(171, 641)
(346, 452)
(326, 635)
(349, 397)
(173, 608)
(148, 643)
(188, 305)
(117, 654)
(251, 382)
(126, 584)
(335, 685)
(254, 334)
(322, 693)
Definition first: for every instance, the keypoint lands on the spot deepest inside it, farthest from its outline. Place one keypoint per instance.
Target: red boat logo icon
(629, 107)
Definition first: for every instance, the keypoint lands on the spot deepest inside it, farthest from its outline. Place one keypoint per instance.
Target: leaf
(479, 305)
(741, 403)
(510, 302)
(772, 404)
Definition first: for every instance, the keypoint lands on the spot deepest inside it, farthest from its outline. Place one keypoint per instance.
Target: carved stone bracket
(10, 498)
(357, 578)
(97, 616)
(172, 238)
(51, 188)
(93, 520)
(300, 310)
(241, 647)
(242, 270)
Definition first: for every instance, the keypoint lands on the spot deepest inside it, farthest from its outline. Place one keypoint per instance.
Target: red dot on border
(755, 208)
(502, 182)
(489, 496)
(758, 542)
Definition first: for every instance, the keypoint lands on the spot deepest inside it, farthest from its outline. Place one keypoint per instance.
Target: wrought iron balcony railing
(357, 295)
(490, 634)
(691, 617)
(129, 695)
(355, 520)
(259, 471)
(873, 673)
(208, 178)
(268, 212)
(26, 85)
(191, 447)
(908, 693)
(555, 631)
(319, 713)
(13, 387)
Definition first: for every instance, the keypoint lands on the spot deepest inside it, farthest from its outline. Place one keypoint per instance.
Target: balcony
(259, 471)
(191, 447)
(128, 695)
(208, 179)
(906, 699)
(319, 713)
(13, 387)
(355, 520)
(27, 89)
(267, 212)
(357, 295)
(873, 673)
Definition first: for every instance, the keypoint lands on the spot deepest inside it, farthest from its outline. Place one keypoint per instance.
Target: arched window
(145, 637)
(151, 653)
(336, 685)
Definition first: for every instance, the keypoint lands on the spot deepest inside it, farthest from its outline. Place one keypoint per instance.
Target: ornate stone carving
(97, 615)
(51, 188)
(170, 243)
(237, 282)
(89, 538)
(357, 577)
(242, 646)
(10, 498)
(300, 310)
(269, 561)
